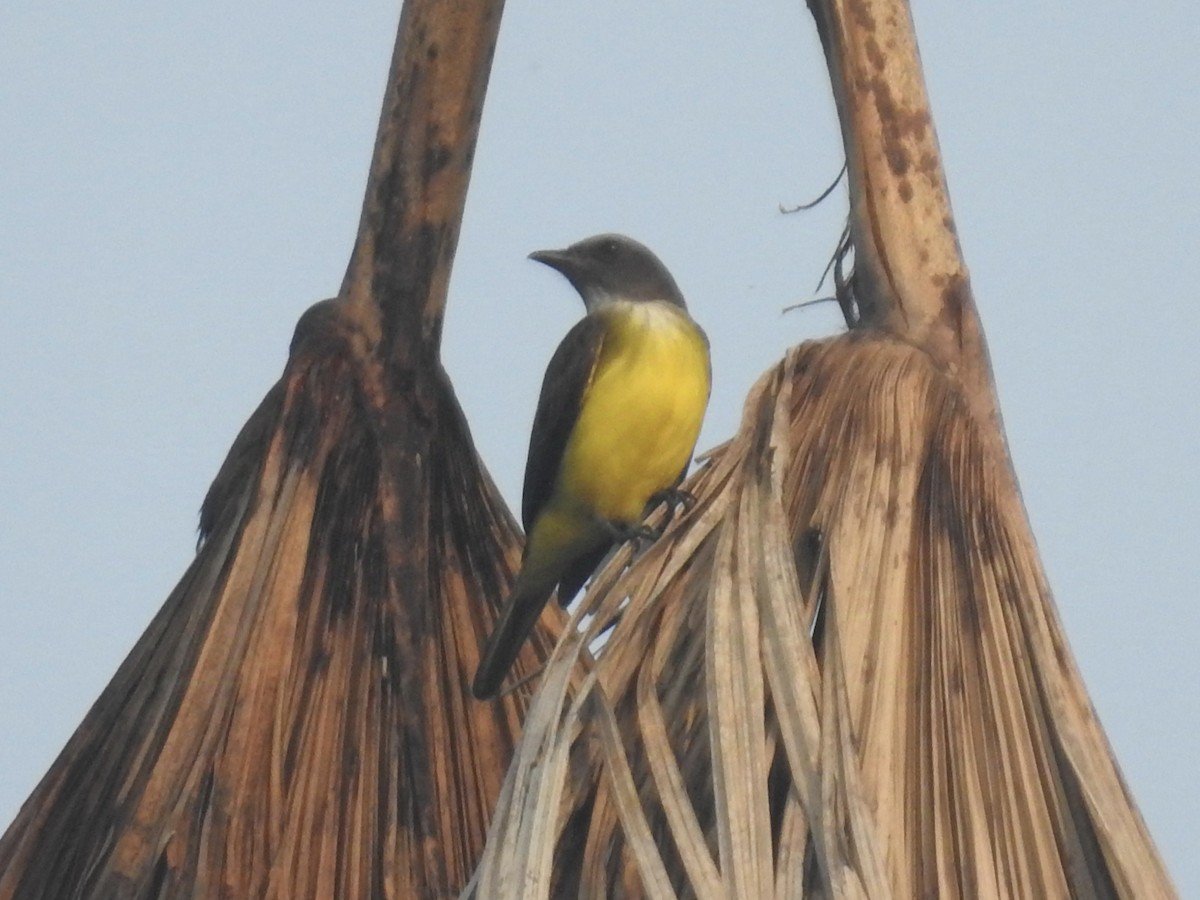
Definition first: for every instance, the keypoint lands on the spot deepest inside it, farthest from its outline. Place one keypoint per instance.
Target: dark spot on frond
(345, 525)
(437, 156)
(242, 464)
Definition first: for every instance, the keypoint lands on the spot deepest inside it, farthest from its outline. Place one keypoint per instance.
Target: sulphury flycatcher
(616, 424)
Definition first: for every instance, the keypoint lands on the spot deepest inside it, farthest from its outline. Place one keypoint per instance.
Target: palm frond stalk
(842, 675)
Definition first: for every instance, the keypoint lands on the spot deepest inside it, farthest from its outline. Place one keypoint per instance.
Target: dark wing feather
(580, 571)
(567, 377)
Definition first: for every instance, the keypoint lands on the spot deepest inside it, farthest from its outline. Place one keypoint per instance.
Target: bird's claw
(635, 533)
(674, 497)
(642, 533)
(671, 498)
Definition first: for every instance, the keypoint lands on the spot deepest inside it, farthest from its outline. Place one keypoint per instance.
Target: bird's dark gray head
(611, 267)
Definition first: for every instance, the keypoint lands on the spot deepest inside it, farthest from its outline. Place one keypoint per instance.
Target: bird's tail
(517, 619)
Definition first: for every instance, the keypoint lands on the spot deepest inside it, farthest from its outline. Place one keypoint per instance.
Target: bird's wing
(567, 377)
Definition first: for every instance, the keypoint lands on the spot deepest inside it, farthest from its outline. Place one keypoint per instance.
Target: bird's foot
(635, 533)
(671, 498)
(641, 533)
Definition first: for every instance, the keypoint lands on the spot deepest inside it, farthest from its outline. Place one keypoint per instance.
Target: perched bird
(616, 423)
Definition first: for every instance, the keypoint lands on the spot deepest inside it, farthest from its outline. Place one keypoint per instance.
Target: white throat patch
(648, 311)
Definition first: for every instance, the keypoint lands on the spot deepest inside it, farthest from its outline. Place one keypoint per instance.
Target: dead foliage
(842, 676)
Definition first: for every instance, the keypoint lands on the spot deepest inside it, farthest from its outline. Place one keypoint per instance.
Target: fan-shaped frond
(842, 675)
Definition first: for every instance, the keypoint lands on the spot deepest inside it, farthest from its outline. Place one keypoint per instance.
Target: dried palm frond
(841, 676)
(295, 722)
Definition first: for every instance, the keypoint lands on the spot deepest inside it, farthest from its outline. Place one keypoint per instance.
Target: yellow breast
(641, 414)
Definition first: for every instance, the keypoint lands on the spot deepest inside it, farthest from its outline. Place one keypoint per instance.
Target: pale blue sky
(178, 183)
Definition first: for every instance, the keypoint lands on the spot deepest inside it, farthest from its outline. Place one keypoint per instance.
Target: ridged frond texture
(841, 675)
(295, 722)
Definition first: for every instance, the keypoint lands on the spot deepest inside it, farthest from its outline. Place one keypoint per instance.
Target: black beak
(560, 260)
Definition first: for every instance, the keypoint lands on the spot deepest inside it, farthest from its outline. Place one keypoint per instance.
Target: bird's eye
(609, 248)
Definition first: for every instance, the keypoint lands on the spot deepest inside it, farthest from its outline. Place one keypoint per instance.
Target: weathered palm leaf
(295, 722)
(276, 730)
(843, 675)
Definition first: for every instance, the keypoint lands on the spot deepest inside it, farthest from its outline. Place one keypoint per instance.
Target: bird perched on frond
(616, 423)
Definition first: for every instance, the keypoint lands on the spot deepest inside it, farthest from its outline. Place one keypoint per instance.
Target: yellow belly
(641, 414)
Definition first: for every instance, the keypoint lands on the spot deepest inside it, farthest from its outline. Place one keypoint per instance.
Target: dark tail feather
(580, 572)
(517, 618)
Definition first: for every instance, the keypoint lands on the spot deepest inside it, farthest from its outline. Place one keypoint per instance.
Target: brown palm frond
(295, 722)
(275, 717)
(843, 675)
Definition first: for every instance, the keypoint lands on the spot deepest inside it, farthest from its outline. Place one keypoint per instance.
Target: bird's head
(611, 267)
